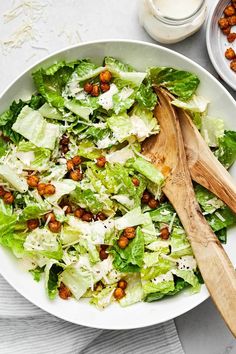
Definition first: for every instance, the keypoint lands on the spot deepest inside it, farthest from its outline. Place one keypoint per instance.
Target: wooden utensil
(167, 149)
(204, 167)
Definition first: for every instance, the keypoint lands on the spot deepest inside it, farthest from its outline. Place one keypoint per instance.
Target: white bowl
(140, 55)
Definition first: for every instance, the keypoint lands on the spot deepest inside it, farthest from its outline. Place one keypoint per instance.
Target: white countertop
(201, 330)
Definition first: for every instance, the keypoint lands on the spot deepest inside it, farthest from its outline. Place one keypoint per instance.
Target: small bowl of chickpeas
(221, 40)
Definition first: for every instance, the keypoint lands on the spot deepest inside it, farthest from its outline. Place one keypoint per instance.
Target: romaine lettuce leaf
(226, 152)
(180, 284)
(148, 170)
(181, 83)
(212, 129)
(162, 266)
(9, 175)
(86, 199)
(32, 126)
(103, 298)
(197, 104)
(87, 70)
(189, 277)
(146, 97)
(48, 111)
(134, 290)
(221, 218)
(207, 200)
(32, 156)
(179, 243)
(133, 218)
(77, 108)
(52, 281)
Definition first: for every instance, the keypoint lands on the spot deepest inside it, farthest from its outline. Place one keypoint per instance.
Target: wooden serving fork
(167, 149)
(204, 167)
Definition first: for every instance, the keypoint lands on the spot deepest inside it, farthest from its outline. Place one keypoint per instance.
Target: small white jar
(171, 21)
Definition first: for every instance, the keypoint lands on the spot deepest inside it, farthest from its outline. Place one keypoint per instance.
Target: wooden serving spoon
(204, 167)
(167, 149)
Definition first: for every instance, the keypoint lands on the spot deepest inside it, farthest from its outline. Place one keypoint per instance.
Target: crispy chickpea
(68, 209)
(70, 165)
(8, 198)
(2, 191)
(104, 247)
(41, 188)
(135, 181)
(104, 87)
(49, 189)
(76, 160)
(146, 197)
(226, 31)
(105, 76)
(50, 217)
(165, 233)
(231, 37)
(64, 292)
(101, 216)
(87, 216)
(232, 20)
(76, 175)
(32, 224)
(130, 232)
(233, 3)
(101, 161)
(95, 91)
(223, 23)
(64, 140)
(122, 284)
(54, 226)
(229, 10)
(233, 65)
(119, 293)
(230, 54)
(123, 241)
(65, 149)
(79, 213)
(32, 181)
(153, 203)
(88, 87)
(103, 254)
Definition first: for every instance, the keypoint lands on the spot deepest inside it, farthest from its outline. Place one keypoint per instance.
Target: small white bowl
(141, 55)
(217, 44)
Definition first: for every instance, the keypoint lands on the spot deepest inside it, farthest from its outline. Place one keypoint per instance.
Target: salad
(80, 207)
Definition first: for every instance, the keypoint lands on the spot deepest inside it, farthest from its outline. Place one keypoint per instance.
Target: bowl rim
(52, 311)
(209, 47)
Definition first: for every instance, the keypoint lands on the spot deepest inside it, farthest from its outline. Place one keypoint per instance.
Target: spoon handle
(204, 167)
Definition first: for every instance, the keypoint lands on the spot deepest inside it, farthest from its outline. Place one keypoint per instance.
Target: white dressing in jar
(170, 21)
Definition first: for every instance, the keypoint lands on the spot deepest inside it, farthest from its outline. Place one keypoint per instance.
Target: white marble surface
(201, 330)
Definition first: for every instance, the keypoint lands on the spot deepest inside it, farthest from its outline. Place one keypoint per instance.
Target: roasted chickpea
(119, 293)
(76, 160)
(130, 232)
(135, 181)
(233, 65)
(32, 181)
(122, 284)
(123, 241)
(49, 189)
(76, 175)
(64, 140)
(105, 76)
(79, 213)
(103, 254)
(2, 191)
(54, 226)
(223, 23)
(8, 198)
(50, 217)
(68, 209)
(146, 197)
(229, 10)
(153, 203)
(230, 54)
(87, 216)
(65, 149)
(101, 216)
(41, 188)
(104, 247)
(88, 87)
(95, 91)
(231, 37)
(226, 31)
(32, 224)
(70, 165)
(232, 20)
(165, 233)
(64, 292)
(104, 87)
(233, 3)
(101, 161)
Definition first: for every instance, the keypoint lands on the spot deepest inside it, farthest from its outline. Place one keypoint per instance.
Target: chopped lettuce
(181, 83)
(150, 171)
(133, 292)
(221, 218)
(226, 152)
(32, 126)
(146, 97)
(197, 104)
(212, 129)
(9, 175)
(207, 200)
(52, 281)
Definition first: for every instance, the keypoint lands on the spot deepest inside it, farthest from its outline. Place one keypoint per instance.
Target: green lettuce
(179, 243)
(212, 129)
(52, 281)
(226, 152)
(86, 199)
(133, 292)
(103, 298)
(134, 217)
(9, 175)
(181, 83)
(146, 97)
(207, 200)
(197, 104)
(179, 284)
(78, 280)
(148, 170)
(221, 218)
(87, 70)
(32, 156)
